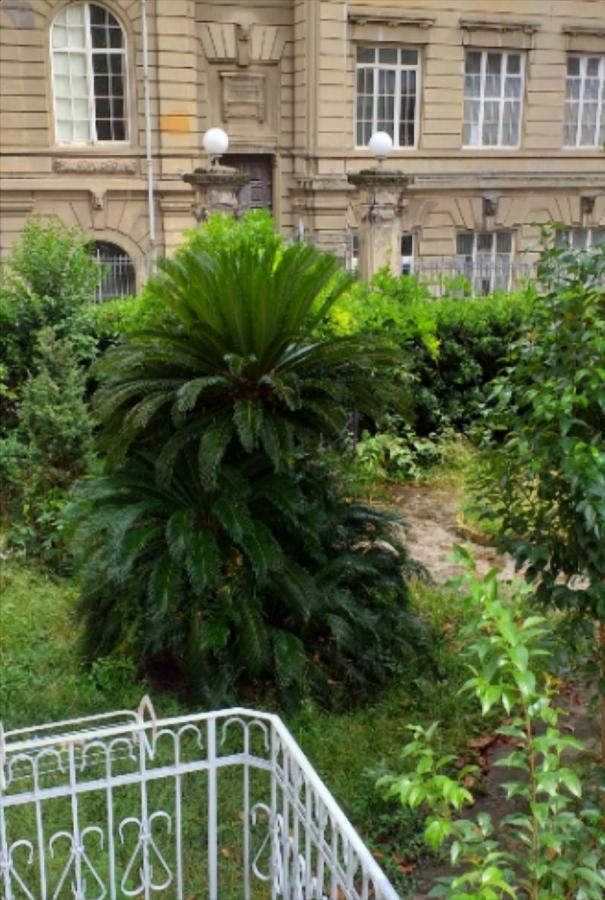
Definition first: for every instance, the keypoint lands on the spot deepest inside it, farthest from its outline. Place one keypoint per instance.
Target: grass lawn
(42, 680)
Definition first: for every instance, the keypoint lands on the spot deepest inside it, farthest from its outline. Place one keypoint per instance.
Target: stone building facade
(496, 108)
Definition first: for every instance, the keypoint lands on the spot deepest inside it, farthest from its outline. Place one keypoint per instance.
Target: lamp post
(380, 203)
(216, 188)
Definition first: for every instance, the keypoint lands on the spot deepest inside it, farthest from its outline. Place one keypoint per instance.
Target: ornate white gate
(221, 804)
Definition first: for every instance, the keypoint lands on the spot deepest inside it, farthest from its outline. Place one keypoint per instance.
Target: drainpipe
(148, 148)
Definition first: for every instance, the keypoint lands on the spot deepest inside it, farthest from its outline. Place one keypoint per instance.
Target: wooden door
(258, 193)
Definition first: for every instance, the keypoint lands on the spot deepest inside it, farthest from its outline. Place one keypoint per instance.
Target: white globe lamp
(380, 145)
(215, 143)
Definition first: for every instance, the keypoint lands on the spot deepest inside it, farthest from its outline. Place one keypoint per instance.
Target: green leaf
(202, 559)
(212, 447)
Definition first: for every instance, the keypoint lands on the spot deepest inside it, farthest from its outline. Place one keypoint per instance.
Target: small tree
(545, 480)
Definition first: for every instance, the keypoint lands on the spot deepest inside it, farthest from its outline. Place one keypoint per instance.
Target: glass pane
(513, 64)
(472, 85)
(80, 109)
(62, 86)
(588, 129)
(578, 238)
(464, 244)
(494, 63)
(510, 124)
(591, 89)
(504, 242)
(491, 112)
(63, 107)
(387, 55)
(76, 38)
(592, 65)
(570, 129)
(572, 88)
(60, 64)
(366, 54)
(473, 63)
(471, 135)
(409, 57)
(74, 14)
(59, 36)
(573, 65)
(81, 131)
(493, 85)
(598, 236)
(485, 240)
(64, 130)
(512, 87)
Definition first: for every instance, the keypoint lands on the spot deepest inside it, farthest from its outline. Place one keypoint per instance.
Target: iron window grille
(387, 91)
(485, 258)
(88, 52)
(118, 275)
(493, 98)
(213, 804)
(584, 101)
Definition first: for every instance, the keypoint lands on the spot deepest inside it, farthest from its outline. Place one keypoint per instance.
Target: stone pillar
(380, 203)
(216, 189)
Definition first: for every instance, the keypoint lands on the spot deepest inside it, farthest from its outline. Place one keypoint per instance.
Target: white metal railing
(222, 804)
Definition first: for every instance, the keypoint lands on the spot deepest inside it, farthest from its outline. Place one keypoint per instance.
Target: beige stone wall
(278, 75)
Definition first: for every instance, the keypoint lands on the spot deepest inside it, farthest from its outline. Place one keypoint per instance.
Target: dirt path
(433, 528)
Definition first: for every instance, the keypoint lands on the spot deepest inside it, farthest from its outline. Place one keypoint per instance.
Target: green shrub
(553, 845)
(544, 477)
(49, 448)
(47, 345)
(47, 281)
(453, 347)
(216, 541)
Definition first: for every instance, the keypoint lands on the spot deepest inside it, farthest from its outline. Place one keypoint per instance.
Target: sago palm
(264, 577)
(237, 364)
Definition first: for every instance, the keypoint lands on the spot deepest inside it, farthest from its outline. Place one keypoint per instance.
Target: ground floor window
(485, 258)
(119, 276)
(580, 238)
(407, 254)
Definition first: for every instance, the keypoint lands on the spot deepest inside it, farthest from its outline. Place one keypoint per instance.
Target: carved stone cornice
(90, 166)
(500, 25)
(368, 16)
(379, 178)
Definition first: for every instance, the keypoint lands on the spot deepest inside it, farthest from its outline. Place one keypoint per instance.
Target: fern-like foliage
(236, 365)
(269, 577)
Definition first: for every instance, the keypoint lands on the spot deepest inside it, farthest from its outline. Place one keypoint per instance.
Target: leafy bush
(47, 345)
(49, 448)
(554, 845)
(544, 480)
(453, 347)
(217, 542)
(47, 281)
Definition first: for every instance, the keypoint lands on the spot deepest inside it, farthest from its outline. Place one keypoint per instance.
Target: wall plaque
(95, 166)
(243, 96)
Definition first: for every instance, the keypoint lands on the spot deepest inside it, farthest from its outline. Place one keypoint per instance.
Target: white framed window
(387, 94)
(584, 101)
(580, 238)
(352, 250)
(485, 258)
(88, 52)
(407, 253)
(493, 98)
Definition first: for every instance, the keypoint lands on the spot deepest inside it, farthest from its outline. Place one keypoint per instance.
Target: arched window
(88, 49)
(118, 273)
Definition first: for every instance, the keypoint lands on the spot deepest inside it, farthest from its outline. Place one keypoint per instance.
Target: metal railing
(213, 804)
